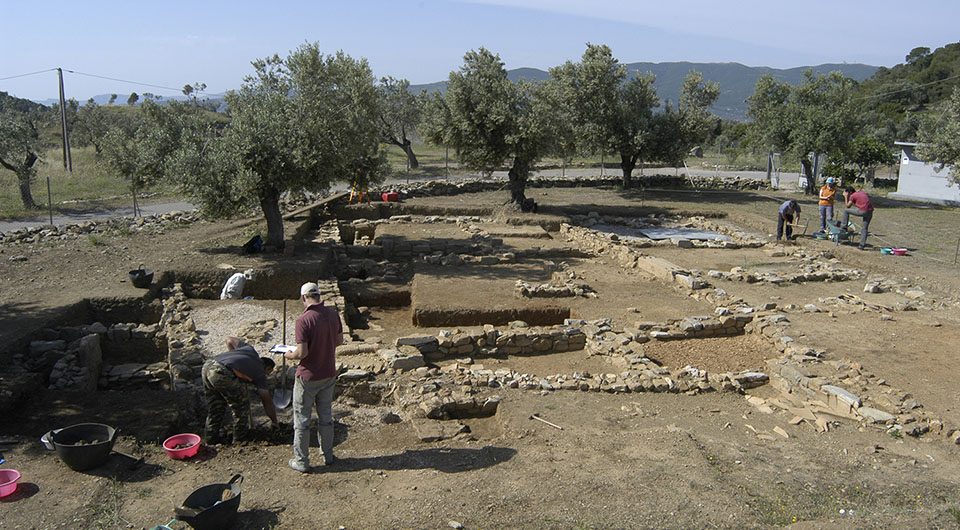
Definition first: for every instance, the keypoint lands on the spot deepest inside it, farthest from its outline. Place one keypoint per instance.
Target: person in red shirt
(318, 333)
(858, 203)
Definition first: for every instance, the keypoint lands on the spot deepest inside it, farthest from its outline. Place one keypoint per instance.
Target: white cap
(309, 289)
(250, 274)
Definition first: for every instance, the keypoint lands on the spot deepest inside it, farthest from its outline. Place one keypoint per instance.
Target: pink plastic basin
(897, 251)
(8, 481)
(179, 439)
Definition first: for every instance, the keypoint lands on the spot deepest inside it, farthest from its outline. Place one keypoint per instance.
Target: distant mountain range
(736, 81)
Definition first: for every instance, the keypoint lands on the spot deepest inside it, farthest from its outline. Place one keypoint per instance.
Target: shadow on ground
(447, 460)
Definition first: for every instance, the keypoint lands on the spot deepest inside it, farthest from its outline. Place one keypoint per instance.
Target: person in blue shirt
(788, 210)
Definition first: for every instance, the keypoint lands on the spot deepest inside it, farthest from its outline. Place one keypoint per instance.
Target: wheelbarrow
(838, 233)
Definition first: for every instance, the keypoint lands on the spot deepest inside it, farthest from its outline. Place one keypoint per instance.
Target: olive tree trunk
(24, 178)
(518, 180)
(807, 166)
(627, 164)
(270, 204)
(25, 173)
(411, 158)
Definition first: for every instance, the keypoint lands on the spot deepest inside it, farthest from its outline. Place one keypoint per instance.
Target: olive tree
(93, 122)
(868, 152)
(400, 113)
(145, 151)
(20, 143)
(615, 111)
(488, 120)
(611, 111)
(940, 137)
(817, 116)
(676, 130)
(297, 124)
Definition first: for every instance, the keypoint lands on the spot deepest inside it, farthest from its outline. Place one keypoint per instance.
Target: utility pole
(67, 160)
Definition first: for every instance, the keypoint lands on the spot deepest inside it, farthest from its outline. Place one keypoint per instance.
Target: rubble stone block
(395, 360)
(841, 395)
(876, 415)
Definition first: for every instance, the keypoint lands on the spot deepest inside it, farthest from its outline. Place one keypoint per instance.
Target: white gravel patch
(228, 318)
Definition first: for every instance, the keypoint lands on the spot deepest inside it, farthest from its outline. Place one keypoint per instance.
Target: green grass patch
(955, 512)
(89, 182)
(104, 510)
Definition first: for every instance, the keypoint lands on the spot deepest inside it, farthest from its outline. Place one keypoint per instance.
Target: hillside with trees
(896, 99)
(737, 80)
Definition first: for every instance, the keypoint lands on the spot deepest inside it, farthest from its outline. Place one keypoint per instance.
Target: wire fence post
(957, 252)
(49, 201)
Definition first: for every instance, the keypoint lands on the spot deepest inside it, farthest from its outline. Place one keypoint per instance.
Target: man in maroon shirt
(858, 203)
(318, 333)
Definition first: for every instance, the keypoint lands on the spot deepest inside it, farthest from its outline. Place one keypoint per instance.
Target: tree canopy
(616, 112)
(296, 125)
(20, 147)
(940, 137)
(489, 119)
(400, 114)
(612, 113)
(818, 116)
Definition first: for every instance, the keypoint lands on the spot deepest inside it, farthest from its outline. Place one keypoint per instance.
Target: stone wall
(819, 392)
(812, 266)
(454, 187)
(85, 358)
(156, 224)
(518, 340)
(397, 247)
(623, 347)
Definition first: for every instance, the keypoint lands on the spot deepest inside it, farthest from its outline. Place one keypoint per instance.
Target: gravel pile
(230, 317)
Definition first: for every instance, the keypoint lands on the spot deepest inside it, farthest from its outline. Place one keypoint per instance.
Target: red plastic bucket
(8, 481)
(170, 444)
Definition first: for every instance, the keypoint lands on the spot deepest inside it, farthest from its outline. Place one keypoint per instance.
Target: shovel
(282, 396)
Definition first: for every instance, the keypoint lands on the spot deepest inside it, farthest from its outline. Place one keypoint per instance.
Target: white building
(920, 180)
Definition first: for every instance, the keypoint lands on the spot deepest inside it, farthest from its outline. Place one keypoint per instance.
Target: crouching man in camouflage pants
(224, 377)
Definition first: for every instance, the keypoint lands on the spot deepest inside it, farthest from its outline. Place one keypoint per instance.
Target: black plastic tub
(88, 455)
(141, 277)
(215, 514)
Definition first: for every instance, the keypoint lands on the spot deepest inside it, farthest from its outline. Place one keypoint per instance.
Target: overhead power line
(123, 80)
(883, 94)
(31, 73)
(138, 83)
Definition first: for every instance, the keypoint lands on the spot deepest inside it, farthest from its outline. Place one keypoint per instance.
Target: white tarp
(627, 233)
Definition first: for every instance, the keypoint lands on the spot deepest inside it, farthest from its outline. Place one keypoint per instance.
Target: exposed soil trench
(487, 356)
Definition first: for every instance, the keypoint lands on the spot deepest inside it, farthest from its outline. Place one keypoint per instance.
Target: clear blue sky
(171, 44)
